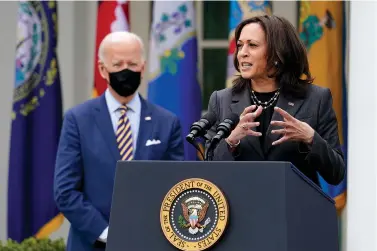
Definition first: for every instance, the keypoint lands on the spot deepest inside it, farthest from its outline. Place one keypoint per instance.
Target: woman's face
(252, 50)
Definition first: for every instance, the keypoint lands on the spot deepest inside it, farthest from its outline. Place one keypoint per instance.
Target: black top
(268, 101)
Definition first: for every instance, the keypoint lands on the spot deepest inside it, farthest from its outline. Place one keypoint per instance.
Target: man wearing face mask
(119, 125)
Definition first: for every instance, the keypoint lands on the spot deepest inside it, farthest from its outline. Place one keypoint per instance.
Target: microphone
(200, 128)
(226, 127)
(223, 131)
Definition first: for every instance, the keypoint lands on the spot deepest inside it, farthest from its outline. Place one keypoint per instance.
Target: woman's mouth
(245, 66)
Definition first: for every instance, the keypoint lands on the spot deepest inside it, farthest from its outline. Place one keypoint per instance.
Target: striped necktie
(124, 135)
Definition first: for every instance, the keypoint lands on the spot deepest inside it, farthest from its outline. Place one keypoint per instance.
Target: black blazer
(323, 156)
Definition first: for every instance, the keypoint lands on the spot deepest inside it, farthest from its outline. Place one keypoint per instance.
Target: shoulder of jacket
(224, 92)
(83, 107)
(317, 90)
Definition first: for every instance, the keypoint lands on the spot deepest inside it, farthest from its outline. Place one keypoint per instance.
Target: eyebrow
(249, 40)
(133, 61)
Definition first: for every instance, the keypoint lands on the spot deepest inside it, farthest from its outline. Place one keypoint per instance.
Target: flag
(172, 66)
(36, 123)
(111, 16)
(239, 11)
(322, 29)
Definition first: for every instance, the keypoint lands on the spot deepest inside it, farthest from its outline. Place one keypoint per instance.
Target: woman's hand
(245, 125)
(293, 129)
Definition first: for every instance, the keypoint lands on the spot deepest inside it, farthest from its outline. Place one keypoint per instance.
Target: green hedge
(33, 244)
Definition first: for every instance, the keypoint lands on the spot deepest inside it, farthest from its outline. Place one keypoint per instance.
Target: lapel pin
(148, 118)
(291, 104)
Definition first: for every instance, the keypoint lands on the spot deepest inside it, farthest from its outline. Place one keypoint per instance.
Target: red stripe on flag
(106, 16)
(232, 46)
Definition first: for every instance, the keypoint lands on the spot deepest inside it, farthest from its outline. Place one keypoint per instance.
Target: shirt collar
(113, 104)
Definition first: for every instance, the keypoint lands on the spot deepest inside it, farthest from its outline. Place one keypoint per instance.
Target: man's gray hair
(116, 37)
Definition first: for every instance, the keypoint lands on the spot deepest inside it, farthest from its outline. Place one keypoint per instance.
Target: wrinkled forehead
(116, 52)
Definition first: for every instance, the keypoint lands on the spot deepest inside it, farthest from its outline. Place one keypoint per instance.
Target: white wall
(8, 19)
(77, 20)
(361, 231)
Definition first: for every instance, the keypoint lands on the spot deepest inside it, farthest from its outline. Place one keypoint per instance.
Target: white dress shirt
(133, 114)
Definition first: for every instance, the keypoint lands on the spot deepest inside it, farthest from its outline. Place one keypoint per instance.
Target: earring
(276, 63)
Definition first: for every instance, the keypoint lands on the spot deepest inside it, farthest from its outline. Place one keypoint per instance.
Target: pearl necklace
(265, 104)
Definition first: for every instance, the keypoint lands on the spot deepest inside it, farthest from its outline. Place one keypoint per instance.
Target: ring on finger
(244, 126)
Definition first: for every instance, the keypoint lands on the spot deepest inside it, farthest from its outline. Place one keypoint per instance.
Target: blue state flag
(173, 82)
(36, 124)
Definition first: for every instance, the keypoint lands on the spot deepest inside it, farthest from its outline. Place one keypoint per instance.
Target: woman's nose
(243, 52)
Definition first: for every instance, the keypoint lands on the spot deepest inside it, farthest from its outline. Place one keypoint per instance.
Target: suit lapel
(145, 130)
(239, 102)
(289, 105)
(103, 121)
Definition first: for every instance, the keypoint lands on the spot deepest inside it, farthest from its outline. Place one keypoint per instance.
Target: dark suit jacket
(323, 156)
(86, 161)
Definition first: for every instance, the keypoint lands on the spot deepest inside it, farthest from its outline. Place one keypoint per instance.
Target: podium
(267, 206)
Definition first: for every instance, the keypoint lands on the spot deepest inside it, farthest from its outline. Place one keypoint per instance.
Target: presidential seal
(194, 214)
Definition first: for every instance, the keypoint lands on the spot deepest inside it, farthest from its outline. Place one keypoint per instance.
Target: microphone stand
(209, 152)
(206, 138)
(192, 141)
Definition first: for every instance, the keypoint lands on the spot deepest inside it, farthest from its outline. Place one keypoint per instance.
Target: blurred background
(340, 38)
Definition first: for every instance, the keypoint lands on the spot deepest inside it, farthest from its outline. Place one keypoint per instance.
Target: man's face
(121, 55)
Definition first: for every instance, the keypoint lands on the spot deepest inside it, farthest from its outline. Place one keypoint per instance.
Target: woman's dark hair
(284, 47)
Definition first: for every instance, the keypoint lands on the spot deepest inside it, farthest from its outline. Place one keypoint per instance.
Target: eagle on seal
(194, 214)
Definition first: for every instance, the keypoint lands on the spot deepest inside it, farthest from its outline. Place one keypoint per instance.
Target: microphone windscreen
(211, 117)
(234, 118)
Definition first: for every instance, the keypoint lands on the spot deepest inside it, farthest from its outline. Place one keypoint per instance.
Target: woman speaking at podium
(283, 116)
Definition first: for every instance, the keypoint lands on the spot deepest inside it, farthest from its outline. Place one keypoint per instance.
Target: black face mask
(125, 82)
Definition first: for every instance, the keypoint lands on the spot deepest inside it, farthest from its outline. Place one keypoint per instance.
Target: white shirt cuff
(103, 236)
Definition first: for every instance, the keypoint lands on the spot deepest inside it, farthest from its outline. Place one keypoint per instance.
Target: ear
(102, 70)
(143, 69)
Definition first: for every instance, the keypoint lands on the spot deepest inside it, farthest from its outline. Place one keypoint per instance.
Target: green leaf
(164, 64)
(187, 23)
(33, 244)
(173, 68)
(181, 221)
(183, 8)
(164, 18)
(162, 38)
